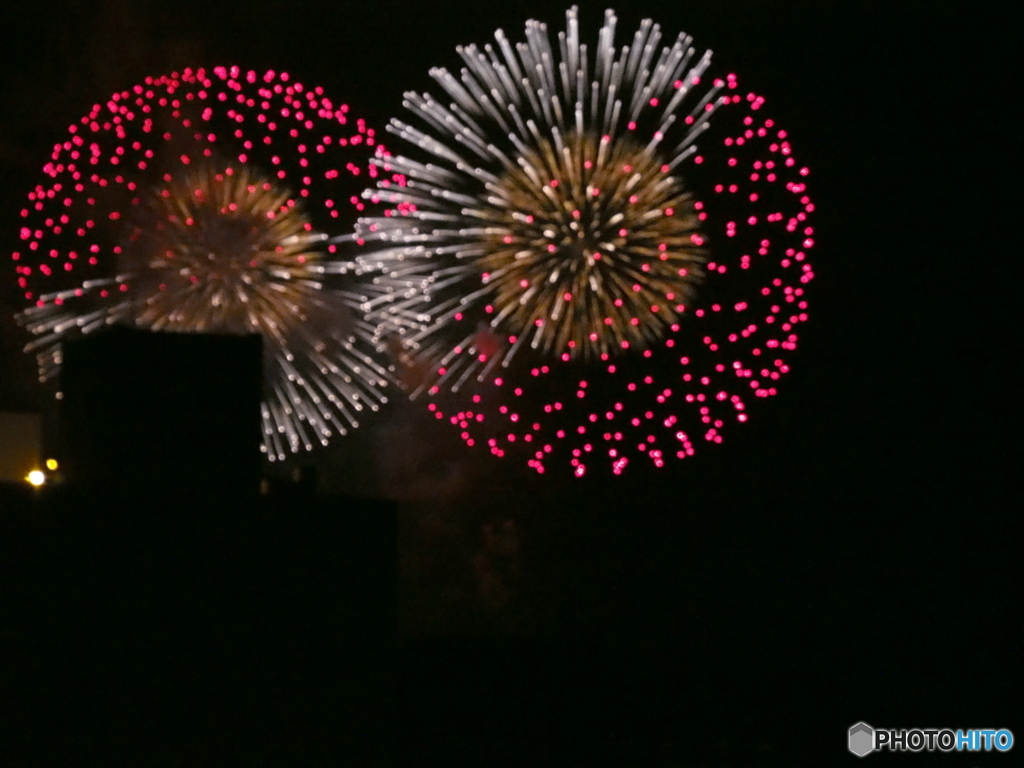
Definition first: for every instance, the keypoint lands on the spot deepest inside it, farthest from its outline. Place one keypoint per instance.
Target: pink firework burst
(199, 202)
(729, 349)
(592, 267)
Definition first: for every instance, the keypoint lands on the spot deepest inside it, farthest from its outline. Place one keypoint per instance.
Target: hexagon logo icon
(862, 739)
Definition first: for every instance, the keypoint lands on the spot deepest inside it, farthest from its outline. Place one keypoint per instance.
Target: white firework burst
(189, 204)
(547, 209)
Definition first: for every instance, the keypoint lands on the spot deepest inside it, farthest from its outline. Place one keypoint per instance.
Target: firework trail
(197, 202)
(584, 282)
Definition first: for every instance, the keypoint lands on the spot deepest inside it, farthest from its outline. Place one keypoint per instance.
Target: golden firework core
(223, 250)
(593, 247)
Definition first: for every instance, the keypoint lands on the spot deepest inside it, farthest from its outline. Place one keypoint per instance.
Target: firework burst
(593, 221)
(222, 251)
(582, 282)
(546, 212)
(197, 202)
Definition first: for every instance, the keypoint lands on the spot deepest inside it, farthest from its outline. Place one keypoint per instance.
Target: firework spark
(172, 207)
(583, 283)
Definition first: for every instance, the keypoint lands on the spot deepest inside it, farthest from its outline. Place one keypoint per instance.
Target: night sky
(851, 554)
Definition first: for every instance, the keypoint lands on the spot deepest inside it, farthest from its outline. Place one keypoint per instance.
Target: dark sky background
(856, 547)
